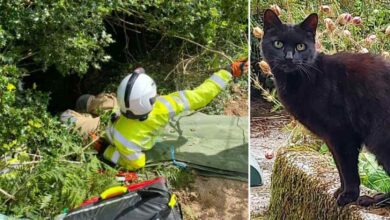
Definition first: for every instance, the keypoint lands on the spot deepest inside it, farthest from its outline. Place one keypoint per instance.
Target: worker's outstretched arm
(197, 98)
(180, 101)
(202, 95)
(206, 92)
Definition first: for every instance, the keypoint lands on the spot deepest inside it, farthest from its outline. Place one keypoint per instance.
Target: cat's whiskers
(311, 66)
(302, 69)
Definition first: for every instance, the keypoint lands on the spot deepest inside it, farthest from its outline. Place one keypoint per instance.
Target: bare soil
(239, 104)
(214, 198)
(237, 107)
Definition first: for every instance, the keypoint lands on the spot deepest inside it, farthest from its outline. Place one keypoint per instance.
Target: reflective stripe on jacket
(129, 137)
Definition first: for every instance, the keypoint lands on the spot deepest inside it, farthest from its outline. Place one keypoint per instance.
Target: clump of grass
(177, 178)
(372, 174)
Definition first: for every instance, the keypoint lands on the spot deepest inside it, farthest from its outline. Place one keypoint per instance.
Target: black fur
(342, 98)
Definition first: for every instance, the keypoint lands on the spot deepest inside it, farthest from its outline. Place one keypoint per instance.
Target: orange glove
(238, 67)
(99, 144)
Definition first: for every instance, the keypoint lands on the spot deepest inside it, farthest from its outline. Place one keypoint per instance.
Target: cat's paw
(347, 197)
(337, 193)
(365, 201)
(368, 200)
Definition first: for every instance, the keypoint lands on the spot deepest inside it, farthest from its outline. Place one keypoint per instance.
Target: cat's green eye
(278, 44)
(301, 47)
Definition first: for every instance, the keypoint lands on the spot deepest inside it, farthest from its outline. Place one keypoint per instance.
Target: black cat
(343, 98)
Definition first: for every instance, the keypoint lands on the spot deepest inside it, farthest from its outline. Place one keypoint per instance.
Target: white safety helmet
(136, 95)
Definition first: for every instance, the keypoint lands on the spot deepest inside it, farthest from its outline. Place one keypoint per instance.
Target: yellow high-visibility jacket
(129, 138)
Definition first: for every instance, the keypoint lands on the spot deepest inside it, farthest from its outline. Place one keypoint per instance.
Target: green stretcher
(213, 145)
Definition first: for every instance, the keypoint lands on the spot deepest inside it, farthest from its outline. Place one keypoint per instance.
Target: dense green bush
(71, 35)
(67, 34)
(37, 177)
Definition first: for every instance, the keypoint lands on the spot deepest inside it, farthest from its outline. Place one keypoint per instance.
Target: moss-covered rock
(303, 183)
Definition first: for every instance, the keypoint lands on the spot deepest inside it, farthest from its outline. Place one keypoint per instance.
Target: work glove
(99, 144)
(238, 67)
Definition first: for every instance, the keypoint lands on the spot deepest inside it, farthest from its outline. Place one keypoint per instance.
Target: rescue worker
(142, 113)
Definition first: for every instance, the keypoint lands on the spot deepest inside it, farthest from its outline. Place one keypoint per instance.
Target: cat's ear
(310, 23)
(271, 20)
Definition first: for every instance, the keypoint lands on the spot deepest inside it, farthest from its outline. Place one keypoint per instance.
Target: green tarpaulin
(256, 178)
(214, 145)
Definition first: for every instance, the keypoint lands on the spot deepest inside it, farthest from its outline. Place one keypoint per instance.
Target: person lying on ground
(142, 113)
